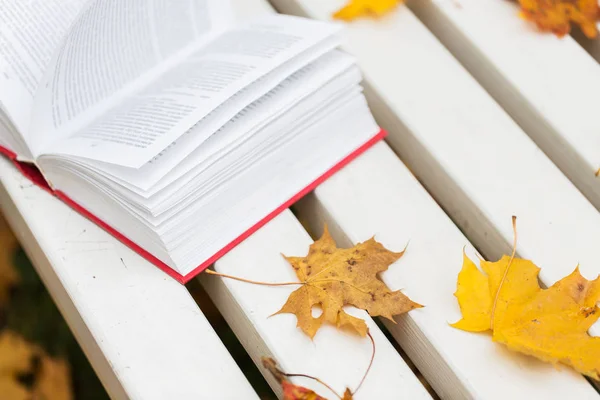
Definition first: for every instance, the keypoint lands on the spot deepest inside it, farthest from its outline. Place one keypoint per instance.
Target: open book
(171, 127)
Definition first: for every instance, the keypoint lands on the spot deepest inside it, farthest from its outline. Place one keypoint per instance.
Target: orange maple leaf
(333, 277)
(556, 15)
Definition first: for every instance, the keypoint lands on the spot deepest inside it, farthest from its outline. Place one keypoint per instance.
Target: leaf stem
(211, 272)
(370, 364)
(512, 257)
(237, 278)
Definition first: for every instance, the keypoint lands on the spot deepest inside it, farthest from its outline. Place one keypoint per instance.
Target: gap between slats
(230, 341)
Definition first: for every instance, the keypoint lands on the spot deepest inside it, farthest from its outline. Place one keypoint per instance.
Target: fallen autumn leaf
(549, 324)
(362, 8)
(334, 277)
(556, 15)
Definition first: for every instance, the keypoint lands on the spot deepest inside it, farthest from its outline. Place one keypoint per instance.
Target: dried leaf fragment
(335, 277)
(556, 15)
(362, 8)
(295, 392)
(549, 324)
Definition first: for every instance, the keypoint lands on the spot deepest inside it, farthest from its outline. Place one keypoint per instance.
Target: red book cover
(33, 174)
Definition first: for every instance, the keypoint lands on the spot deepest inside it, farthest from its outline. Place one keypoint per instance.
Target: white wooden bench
(548, 85)
(147, 338)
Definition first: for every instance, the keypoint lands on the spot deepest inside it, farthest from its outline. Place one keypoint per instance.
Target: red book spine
(31, 172)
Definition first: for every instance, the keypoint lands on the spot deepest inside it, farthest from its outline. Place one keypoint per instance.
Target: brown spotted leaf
(334, 278)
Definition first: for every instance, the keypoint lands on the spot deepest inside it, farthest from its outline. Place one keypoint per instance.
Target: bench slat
(338, 358)
(142, 331)
(549, 85)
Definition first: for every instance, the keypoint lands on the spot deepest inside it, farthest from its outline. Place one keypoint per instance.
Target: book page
(30, 33)
(6, 135)
(137, 130)
(229, 129)
(112, 49)
(11, 140)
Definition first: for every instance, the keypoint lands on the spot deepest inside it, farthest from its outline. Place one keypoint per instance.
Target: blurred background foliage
(39, 357)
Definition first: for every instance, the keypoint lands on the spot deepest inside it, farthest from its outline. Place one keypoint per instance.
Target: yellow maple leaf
(549, 324)
(362, 8)
(336, 277)
(556, 15)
